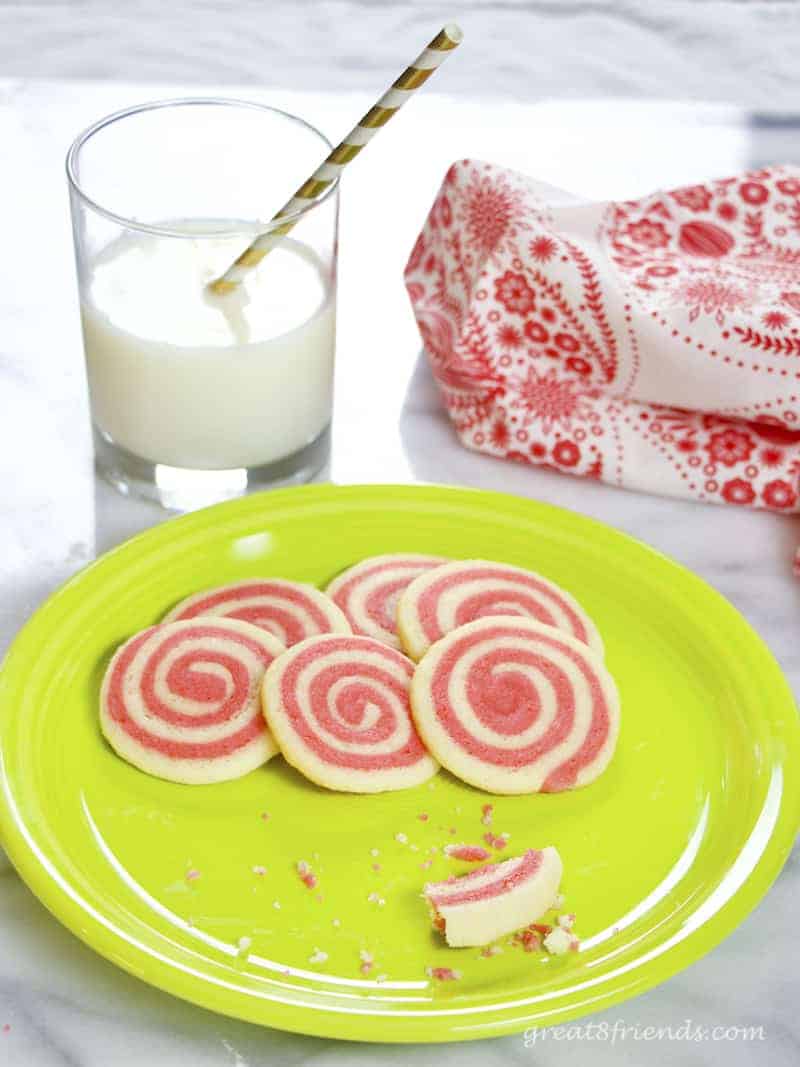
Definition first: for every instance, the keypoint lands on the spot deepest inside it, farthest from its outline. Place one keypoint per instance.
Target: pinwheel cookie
(338, 708)
(291, 611)
(368, 592)
(457, 593)
(181, 700)
(514, 706)
(495, 900)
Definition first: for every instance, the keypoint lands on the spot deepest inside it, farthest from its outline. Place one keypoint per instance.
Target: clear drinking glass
(194, 397)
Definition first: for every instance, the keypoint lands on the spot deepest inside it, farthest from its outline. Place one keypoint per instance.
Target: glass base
(183, 489)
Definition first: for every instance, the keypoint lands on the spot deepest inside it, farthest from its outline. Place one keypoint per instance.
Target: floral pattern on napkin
(652, 344)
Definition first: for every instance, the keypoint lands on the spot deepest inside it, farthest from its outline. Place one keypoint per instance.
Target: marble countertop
(61, 1004)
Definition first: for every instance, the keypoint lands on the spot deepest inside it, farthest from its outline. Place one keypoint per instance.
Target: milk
(181, 377)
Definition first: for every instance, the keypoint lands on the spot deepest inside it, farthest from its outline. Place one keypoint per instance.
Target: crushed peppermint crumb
(402, 838)
(559, 941)
(7, 1026)
(443, 974)
(373, 898)
(566, 921)
(318, 956)
(243, 945)
(307, 876)
(497, 841)
(192, 874)
(259, 870)
(433, 848)
(381, 902)
(468, 853)
(491, 950)
(425, 865)
(423, 816)
(381, 977)
(336, 922)
(413, 848)
(486, 814)
(374, 852)
(276, 904)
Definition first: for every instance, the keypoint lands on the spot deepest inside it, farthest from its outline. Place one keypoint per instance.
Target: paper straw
(389, 104)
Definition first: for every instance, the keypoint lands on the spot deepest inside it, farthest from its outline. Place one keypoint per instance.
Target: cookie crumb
(192, 874)
(443, 974)
(558, 941)
(259, 870)
(467, 853)
(530, 939)
(367, 961)
(402, 838)
(307, 876)
(318, 956)
(423, 816)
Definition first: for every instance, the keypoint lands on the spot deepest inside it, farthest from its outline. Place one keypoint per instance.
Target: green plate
(663, 855)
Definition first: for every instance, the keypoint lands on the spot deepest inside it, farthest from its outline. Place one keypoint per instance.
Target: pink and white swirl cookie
(460, 592)
(368, 592)
(495, 900)
(338, 708)
(292, 611)
(514, 706)
(182, 700)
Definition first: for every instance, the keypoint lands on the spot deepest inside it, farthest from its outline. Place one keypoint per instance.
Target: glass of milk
(196, 397)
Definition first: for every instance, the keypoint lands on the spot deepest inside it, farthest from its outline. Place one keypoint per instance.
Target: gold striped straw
(389, 104)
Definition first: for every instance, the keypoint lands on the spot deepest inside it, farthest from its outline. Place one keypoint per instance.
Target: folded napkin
(652, 344)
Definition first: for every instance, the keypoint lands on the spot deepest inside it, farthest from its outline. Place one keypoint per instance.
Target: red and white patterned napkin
(652, 344)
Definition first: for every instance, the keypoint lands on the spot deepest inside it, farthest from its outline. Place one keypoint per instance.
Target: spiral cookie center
(349, 705)
(362, 709)
(506, 700)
